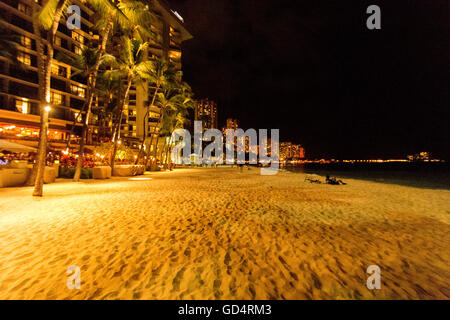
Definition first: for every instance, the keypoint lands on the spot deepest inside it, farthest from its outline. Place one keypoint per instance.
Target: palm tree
(130, 66)
(161, 75)
(40, 46)
(83, 65)
(8, 43)
(88, 63)
(134, 17)
(176, 97)
(48, 19)
(173, 119)
(108, 91)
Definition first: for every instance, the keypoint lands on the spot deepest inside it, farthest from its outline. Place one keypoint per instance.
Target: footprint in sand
(177, 279)
(317, 282)
(119, 273)
(216, 286)
(251, 289)
(227, 259)
(232, 287)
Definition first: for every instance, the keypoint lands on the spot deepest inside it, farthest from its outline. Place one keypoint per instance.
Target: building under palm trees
(19, 96)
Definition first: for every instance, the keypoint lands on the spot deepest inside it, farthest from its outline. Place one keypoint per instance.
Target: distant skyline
(316, 72)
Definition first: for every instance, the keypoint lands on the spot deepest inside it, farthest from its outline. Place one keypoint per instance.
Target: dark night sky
(313, 70)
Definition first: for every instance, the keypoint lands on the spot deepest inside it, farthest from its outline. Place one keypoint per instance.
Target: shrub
(68, 173)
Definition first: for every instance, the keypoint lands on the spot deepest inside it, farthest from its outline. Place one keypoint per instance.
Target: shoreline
(403, 178)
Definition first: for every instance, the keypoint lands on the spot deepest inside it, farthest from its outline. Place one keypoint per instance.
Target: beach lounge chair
(334, 181)
(312, 178)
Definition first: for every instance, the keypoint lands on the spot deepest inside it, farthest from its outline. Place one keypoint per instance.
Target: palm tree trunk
(168, 160)
(146, 122)
(105, 37)
(115, 138)
(163, 149)
(72, 130)
(163, 154)
(119, 124)
(80, 158)
(42, 151)
(151, 138)
(40, 64)
(156, 147)
(91, 93)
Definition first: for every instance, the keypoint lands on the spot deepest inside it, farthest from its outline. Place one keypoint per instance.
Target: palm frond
(8, 43)
(46, 15)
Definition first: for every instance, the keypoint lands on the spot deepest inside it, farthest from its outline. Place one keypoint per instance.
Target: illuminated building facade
(206, 111)
(231, 124)
(422, 156)
(19, 85)
(170, 30)
(291, 151)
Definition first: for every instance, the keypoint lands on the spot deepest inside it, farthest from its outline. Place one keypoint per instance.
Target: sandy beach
(222, 234)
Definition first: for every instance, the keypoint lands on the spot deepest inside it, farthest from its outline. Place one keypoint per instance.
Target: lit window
(58, 41)
(56, 98)
(78, 37)
(22, 7)
(75, 116)
(78, 91)
(23, 106)
(59, 70)
(55, 69)
(25, 58)
(25, 41)
(175, 54)
(77, 50)
(62, 72)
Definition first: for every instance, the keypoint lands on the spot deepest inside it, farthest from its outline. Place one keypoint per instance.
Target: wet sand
(222, 234)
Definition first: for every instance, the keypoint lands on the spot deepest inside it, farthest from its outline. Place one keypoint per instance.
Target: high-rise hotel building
(231, 124)
(206, 111)
(291, 151)
(19, 99)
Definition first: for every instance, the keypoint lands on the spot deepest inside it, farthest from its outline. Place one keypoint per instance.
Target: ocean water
(419, 175)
